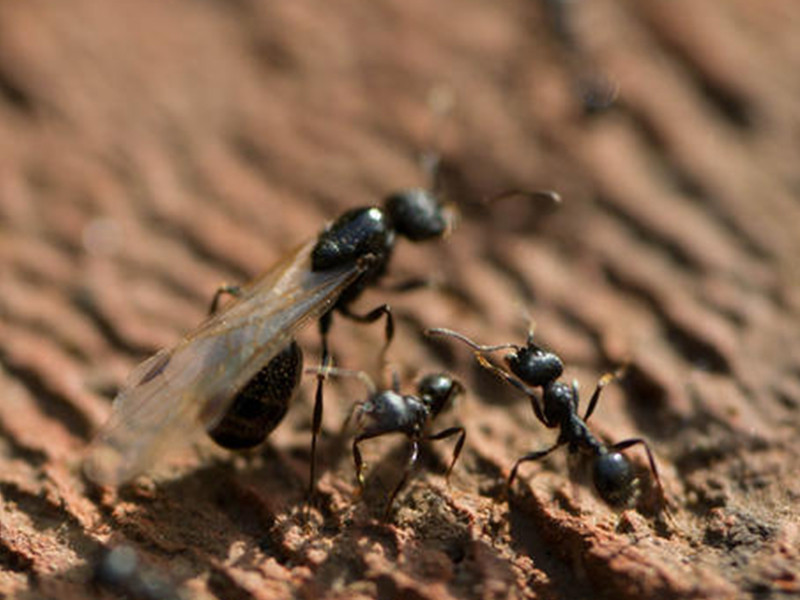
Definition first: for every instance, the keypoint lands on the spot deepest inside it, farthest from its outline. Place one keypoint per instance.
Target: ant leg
(233, 290)
(462, 436)
(384, 310)
(412, 460)
(358, 460)
(362, 376)
(437, 284)
(409, 285)
(624, 445)
(316, 426)
(511, 379)
(531, 456)
(325, 323)
(601, 383)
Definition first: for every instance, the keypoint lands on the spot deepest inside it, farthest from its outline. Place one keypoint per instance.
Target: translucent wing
(179, 391)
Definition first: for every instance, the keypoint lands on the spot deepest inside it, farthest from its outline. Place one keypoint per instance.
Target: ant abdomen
(613, 478)
(262, 403)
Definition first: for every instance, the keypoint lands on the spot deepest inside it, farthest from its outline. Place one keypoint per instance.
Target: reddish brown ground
(150, 149)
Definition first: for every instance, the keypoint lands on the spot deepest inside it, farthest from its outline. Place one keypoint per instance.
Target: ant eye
(613, 478)
(416, 214)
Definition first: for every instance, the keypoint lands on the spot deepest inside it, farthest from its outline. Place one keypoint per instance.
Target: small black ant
(388, 411)
(531, 366)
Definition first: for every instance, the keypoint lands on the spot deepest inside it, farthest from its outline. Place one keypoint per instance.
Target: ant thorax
(389, 411)
(559, 404)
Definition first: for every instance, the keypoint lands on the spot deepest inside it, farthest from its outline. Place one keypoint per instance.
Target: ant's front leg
(462, 436)
(325, 322)
(384, 310)
(316, 422)
(358, 460)
(412, 460)
(514, 381)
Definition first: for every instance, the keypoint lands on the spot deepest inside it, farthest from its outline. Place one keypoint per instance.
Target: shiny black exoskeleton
(531, 366)
(259, 407)
(359, 233)
(262, 403)
(371, 231)
(388, 411)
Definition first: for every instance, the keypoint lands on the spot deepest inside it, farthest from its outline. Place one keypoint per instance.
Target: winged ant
(242, 364)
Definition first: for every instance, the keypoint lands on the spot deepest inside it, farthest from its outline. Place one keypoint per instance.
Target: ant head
(614, 478)
(535, 366)
(417, 214)
(437, 390)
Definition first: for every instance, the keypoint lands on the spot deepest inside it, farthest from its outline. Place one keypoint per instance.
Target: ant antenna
(526, 315)
(548, 195)
(437, 331)
(441, 100)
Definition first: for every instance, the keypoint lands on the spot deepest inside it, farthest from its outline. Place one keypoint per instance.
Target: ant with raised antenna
(386, 411)
(531, 366)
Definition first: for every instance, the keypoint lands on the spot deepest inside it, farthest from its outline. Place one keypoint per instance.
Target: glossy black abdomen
(262, 403)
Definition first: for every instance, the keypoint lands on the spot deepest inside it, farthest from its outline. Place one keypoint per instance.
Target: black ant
(388, 411)
(531, 366)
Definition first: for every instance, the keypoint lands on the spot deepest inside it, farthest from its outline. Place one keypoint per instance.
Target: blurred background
(151, 150)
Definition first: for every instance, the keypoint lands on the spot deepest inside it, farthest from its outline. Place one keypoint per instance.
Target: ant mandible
(531, 366)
